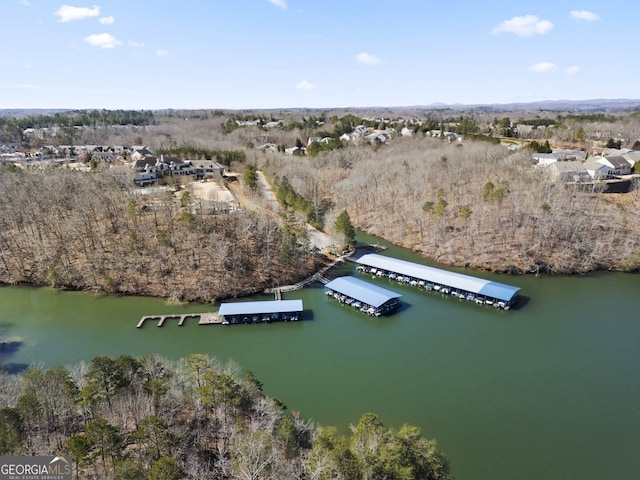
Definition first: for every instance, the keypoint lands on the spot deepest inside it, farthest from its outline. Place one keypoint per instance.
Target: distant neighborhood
(147, 168)
(600, 165)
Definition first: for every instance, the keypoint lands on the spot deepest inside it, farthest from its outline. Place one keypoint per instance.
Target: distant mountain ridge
(592, 105)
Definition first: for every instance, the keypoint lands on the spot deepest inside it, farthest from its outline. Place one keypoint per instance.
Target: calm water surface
(548, 391)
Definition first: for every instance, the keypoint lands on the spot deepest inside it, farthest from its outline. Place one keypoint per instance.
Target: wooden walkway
(316, 277)
(277, 292)
(210, 318)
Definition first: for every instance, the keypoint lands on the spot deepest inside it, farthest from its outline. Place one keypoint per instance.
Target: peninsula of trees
(130, 418)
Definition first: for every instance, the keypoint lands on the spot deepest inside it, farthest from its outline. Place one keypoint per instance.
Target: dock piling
(210, 318)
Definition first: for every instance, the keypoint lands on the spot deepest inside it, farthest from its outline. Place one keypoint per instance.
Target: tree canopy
(343, 225)
(204, 423)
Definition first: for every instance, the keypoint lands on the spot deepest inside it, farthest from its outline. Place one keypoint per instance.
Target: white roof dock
(256, 308)
(362, 291)
(459, 281)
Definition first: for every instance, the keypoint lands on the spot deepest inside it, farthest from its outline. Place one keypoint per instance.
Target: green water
(547, 391)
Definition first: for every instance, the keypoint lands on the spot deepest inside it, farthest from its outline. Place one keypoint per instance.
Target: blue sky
(144, 54)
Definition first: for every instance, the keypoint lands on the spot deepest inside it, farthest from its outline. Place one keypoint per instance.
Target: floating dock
(364, 296)
(261, 312)
(240, 312)
(459, 285)
(209, 318)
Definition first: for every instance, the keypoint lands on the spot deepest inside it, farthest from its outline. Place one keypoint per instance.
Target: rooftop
(460, 281)
(362, 291)
(255, 308)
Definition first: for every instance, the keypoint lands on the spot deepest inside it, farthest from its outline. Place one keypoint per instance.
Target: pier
(210, 318)
(478, 290)
(316, 277)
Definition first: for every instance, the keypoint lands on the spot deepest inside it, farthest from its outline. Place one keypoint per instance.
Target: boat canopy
(256, 308)
(362, 291)
(459, 281)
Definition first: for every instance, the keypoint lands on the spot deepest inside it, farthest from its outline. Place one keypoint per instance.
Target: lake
(549, 390)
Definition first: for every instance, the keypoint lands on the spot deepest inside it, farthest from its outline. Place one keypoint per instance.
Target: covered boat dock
(364, 296)
(460, 285)
(260, 312)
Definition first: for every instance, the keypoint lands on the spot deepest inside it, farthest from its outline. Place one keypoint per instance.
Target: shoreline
(326, 264)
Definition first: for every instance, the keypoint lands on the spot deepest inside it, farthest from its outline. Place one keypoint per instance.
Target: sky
(245, 54)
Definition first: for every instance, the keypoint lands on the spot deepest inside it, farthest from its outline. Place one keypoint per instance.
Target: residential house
(597, 169)
(559, 156)
(176, 166)
(9, 148)
(377, 138)
(138, 153)
(147, 170)
(206, 168)
(632, 157)
(348, 137)
(360, 130)
(569, 171)
(618, 163)
(103, 156)
(571, 154)
(247, 123)
(294, 151)
(453, 136)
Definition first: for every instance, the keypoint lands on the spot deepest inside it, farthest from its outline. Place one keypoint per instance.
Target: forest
(91, 232)
(473, 205)
(468, 203)
(129, 418)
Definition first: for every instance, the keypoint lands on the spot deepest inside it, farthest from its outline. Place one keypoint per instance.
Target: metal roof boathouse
(364, 296)
(464, 286)
(256, 312)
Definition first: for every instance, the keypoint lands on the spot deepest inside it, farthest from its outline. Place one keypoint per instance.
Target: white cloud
(26, 3)
(524, 26)
(68, 13)
(573, 70)
(584, 15)
(279, 3)
(544, 67)
(135, 44)
(103, 40)
(367, 59)
(107, 20)
(305, 85)
(162, 53)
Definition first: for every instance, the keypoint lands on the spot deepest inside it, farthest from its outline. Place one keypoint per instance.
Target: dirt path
(318, 239)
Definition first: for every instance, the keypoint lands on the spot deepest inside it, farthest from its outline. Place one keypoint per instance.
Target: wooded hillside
(70, 229)
(472, 204)
(131, 419)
